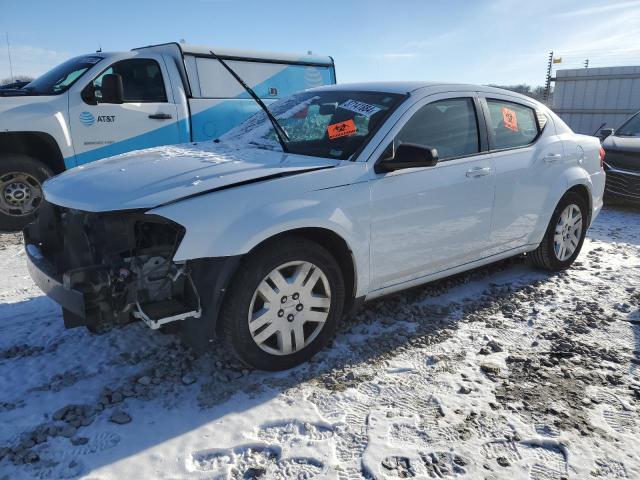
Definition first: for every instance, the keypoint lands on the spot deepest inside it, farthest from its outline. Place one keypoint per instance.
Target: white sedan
(267, 236)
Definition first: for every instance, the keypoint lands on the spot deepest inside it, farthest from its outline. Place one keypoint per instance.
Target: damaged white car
(341, 194)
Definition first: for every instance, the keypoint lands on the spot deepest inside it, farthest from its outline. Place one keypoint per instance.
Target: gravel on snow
(503, 372)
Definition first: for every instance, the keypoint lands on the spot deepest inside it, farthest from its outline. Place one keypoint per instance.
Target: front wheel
(283, 304)
(565, 234)
(21, 179)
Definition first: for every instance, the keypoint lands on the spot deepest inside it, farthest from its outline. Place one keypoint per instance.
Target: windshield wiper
(280, 132)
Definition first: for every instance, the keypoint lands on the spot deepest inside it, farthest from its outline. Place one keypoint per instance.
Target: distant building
(586, 98)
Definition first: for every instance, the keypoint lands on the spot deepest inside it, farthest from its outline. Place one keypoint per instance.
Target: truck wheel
(283, 305)
(21, 180)
(564, 236)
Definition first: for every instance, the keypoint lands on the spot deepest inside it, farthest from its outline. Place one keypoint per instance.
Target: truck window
(142, 81)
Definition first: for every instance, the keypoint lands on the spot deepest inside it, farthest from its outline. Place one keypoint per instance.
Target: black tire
(252, 270)
(11, 222)
(545, 255)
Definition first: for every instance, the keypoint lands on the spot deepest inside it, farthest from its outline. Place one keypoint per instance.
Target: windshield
(631, 128)
(330, 124)
(63, 76)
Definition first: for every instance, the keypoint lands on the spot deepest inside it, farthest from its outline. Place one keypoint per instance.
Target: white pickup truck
(103, 104)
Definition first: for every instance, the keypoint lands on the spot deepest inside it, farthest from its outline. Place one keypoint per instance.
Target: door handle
(552, 157)
(160, 116)
(479, 172)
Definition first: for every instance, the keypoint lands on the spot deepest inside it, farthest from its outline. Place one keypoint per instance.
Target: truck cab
(103, 104)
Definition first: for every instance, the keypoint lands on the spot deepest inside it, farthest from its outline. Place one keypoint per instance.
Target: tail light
(602, 154)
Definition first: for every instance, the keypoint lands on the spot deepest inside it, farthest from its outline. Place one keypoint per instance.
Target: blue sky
(493, 41)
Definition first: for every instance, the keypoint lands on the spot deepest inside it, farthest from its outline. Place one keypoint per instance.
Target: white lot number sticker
(360, 107)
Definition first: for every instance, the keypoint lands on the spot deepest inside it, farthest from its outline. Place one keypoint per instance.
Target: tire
(547, 256)
(292, 257)
(20, 175)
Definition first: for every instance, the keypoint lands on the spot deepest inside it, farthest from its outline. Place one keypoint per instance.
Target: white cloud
(390, 55)
(433, 40)
(612, 36)
(28, 60)
(599, 9)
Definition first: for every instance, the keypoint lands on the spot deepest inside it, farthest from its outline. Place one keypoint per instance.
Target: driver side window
(142, 81)
(448, 125)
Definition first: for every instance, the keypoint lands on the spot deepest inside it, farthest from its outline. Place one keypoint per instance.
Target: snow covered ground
(504, 372)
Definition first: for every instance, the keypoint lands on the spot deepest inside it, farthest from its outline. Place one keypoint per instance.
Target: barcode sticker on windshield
(342, 129)
(360, 107)
(510, 119)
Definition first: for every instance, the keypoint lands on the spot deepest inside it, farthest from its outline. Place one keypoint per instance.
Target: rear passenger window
(449, 125)
(513, 125)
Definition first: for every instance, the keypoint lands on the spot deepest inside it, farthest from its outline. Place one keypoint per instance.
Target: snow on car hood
(155, 176)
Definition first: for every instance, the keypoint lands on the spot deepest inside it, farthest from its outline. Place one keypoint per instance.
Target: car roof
(412, 86)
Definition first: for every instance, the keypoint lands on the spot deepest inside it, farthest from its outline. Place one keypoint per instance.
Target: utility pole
(9, 53)
(547, 87)
(586, 63)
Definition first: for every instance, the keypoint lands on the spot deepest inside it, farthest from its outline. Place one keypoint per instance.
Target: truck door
(146, 118)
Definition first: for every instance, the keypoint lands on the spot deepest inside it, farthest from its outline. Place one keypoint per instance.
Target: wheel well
(337, 246)
(584, 193)
(38, 145)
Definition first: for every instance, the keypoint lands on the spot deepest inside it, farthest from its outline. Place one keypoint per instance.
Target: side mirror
(408, 155)
(606, 132)
(112, 90)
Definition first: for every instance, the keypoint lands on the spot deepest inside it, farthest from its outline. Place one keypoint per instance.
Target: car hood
(156, 176)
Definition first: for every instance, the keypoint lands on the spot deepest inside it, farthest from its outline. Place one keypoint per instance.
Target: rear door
(528, 158)
(146, 118)
(427, 220)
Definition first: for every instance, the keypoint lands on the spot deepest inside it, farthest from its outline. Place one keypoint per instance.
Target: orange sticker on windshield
(342, 129)
(510, 119)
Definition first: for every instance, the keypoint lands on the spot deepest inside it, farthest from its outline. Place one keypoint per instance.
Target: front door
(146, 118)
(427, 220)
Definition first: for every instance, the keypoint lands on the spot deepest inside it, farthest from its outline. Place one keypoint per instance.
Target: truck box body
(208, 100)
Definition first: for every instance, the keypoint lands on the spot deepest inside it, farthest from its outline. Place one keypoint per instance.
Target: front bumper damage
(110, 268)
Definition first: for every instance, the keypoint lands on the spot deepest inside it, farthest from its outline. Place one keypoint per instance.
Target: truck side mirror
(112, 89)
(606, 132)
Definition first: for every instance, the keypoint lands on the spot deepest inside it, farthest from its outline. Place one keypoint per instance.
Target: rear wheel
(283, 305)
(564, 236)
(21, 179)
